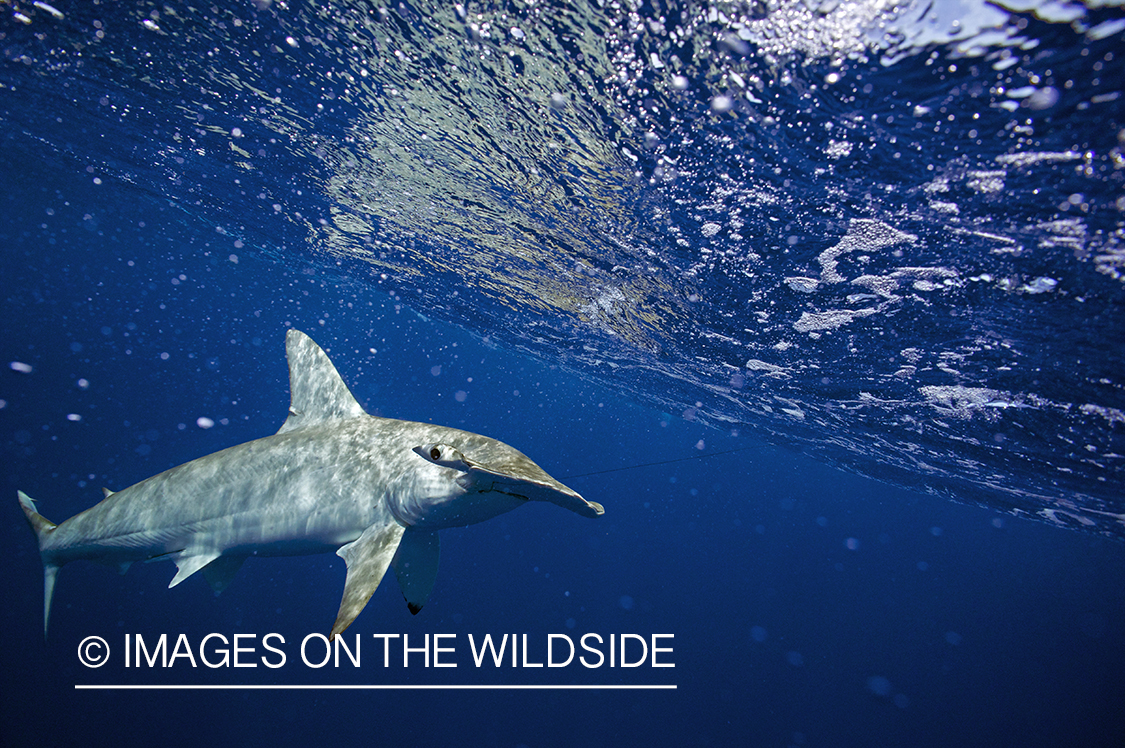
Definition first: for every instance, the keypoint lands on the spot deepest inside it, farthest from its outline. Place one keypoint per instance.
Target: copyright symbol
(93, 651)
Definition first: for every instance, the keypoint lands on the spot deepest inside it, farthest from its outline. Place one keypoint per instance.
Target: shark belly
(272, 496)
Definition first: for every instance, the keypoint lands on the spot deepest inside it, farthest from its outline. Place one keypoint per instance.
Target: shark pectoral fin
(191, 560)
(367, 558)
(416, 565)
(219, 572)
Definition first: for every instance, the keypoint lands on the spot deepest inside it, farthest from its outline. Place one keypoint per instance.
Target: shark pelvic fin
(367, 558)
(317, 393)
(416, 565)
(221, 571)
(191, 560)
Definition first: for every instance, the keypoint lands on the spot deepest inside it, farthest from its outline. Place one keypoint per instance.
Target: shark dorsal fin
(317, 392)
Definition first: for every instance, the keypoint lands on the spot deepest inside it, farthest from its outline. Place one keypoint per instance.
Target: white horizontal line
(373, 687)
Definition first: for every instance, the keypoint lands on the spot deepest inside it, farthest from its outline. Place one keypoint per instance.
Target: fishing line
(662, 462)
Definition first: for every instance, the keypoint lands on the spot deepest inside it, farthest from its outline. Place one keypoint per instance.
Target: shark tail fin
(43, 527)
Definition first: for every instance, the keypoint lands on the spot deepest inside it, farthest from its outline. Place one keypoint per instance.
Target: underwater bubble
(879, 685)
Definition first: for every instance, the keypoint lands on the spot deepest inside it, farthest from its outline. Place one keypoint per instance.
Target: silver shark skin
(333, 478)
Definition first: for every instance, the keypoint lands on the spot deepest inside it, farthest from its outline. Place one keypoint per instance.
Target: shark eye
(444, 455)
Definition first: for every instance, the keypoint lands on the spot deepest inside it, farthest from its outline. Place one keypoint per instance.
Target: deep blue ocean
(822, 300)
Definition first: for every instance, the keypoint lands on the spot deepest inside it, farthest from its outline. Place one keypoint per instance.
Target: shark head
(438, 476)
(468, 478)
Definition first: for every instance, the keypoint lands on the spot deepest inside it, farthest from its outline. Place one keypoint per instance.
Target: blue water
(863, 260)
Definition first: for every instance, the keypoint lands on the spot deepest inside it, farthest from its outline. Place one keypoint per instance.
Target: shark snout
(554, 492)
(532, 487)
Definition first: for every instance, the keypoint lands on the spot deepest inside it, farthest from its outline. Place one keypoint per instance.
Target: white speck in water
(1040, 285)
(721, 104)
(53, 11)
(1043, 98)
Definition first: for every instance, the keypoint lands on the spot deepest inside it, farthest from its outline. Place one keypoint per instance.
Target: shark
(333, 478)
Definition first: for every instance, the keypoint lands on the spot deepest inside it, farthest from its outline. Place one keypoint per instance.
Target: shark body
(333, 478)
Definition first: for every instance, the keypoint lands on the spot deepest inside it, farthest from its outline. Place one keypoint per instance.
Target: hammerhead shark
(333, 478)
